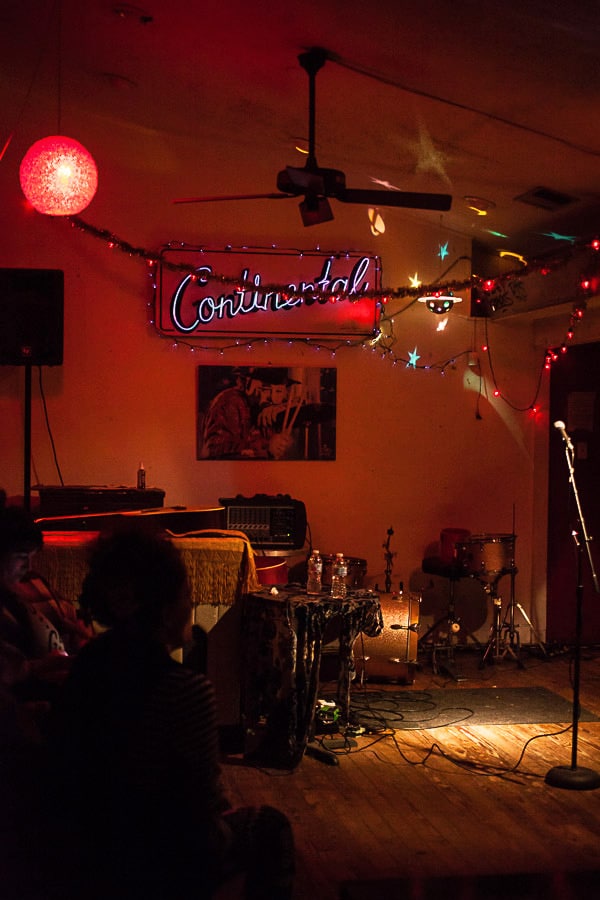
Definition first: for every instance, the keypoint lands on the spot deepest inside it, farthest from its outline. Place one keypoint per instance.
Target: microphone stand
(574, 777)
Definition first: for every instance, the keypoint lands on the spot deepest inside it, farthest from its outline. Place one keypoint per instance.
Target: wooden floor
(402, 805)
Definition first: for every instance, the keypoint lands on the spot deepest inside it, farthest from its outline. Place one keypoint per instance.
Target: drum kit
(484, 557)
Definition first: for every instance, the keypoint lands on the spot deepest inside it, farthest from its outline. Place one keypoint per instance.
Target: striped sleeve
(176, 753)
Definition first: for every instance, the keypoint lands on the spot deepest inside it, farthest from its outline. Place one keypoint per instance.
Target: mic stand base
(573, 778)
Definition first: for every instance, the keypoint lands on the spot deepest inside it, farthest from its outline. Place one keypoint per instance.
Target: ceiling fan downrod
(312, 61)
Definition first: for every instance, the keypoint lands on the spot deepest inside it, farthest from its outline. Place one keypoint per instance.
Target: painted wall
(417, 450)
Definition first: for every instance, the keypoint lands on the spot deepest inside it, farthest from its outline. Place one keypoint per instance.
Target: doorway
(574, 400)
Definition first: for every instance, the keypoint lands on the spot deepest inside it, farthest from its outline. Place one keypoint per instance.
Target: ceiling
(473, 98)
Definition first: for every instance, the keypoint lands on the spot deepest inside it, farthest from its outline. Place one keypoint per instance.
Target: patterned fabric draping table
(63, 561)
(221, 569)
(282, 640)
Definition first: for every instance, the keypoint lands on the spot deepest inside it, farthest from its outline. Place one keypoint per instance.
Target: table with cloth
(283, 638)
(220, 565)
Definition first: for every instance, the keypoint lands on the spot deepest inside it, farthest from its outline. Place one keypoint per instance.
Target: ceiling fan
(318, 185)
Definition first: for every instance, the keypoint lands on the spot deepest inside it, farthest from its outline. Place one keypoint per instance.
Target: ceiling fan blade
(278, 196)
(412, 200)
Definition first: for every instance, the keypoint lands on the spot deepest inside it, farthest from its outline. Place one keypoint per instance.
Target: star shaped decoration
(415, 281)
(559, 237)
(442, 324)
(443, 251)
(386, 184)
(412, 359)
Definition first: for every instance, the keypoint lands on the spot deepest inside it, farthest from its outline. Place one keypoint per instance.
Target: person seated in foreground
(37, 629)
(33, 664)
(134, 746)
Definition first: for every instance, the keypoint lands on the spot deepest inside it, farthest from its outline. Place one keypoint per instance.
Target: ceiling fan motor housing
(326, 182)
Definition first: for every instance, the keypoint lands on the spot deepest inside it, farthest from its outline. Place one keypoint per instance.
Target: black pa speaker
(31, 317)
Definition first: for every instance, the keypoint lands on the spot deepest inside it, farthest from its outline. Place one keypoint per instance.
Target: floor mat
(410, 709)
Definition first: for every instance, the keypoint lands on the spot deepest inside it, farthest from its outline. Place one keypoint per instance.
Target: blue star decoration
(443, 251)
(559, 237)
(412, 359)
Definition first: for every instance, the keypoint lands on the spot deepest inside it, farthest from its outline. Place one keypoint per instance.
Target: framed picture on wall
(269, 412)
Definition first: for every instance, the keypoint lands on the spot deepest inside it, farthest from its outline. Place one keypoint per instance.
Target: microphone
(561, 427)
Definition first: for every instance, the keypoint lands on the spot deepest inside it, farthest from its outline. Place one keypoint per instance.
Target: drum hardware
(447, 645)
(538, 640)
(414, 626)
(504, 638)
(446, 642)
(488, 558)
(389, 561)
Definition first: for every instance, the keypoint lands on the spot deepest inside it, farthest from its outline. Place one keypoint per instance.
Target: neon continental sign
(246, 292)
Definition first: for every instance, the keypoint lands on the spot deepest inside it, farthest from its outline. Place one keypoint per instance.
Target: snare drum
(393, 653)
(488, 556)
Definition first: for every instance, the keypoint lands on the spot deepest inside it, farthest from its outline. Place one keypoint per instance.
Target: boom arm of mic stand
(586, 538)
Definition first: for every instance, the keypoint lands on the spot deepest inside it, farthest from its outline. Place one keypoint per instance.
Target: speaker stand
(27, 440)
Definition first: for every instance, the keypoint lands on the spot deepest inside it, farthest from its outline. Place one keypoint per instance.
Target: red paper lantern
(58, 176)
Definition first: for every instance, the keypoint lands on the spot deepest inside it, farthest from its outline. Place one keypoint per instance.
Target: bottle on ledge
(314, 573)
(141, 478)
(338, 577)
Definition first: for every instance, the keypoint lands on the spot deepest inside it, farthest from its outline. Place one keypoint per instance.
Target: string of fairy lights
(490, 294)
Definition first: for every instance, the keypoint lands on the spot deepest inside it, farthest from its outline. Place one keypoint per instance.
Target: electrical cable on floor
(476, 768)
(387, 730)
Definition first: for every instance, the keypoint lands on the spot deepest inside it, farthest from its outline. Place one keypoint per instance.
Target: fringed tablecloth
(221, 569)
(63, 561)
(220, 566)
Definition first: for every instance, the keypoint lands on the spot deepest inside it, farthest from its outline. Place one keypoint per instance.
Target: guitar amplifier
(269, 523)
